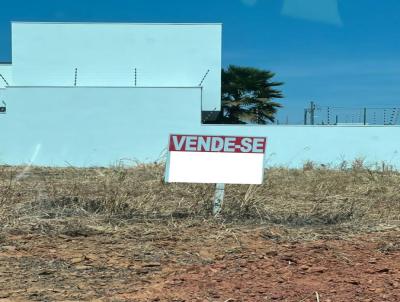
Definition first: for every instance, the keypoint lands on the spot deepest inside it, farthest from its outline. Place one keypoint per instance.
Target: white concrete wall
(106, 54)
(291, 146)
(93, 126)
(6, 72)
(99, 126)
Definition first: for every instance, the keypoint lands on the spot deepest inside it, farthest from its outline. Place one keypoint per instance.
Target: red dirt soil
(199, 263)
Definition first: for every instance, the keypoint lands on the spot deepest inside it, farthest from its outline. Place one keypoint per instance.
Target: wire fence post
(384, 117)
(396, 117)
(365, 116)
(135, 77)
(329, 116)
(312, 113)
(305, 116)
(76, 76)
(392, 117)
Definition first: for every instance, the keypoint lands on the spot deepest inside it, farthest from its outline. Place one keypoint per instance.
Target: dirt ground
(123, 235)
(200, 262)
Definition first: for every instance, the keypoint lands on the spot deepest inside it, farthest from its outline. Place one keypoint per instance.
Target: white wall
(6, 72)
(93, 126)
(99, 126)
(46, 54)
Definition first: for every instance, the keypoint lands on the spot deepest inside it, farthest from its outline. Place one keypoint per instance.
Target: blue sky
(334, 52)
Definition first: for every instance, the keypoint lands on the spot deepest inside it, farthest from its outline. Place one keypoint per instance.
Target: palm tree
(247, 95)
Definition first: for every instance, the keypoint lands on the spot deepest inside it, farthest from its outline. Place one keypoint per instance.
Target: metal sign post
(218, 198)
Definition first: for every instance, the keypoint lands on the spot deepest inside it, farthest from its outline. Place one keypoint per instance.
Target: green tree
(247, 95)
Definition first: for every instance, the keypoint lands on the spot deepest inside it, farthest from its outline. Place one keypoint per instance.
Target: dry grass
(68, 200)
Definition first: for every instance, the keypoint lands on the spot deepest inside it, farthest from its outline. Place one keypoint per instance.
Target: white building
(117, 55)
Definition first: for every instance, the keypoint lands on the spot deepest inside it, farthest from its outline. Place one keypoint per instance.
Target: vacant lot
(121, 234)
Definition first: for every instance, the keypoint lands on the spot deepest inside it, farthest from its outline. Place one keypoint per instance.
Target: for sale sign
(215, 159)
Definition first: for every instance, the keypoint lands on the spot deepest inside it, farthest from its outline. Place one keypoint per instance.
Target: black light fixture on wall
(3, 107)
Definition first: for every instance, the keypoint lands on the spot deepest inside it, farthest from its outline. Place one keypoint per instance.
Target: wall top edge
(94, 87)
(115, 23)
(301, 126)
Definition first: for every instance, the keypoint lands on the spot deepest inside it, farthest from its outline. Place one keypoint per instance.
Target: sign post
(218, 198)
(215, 159)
